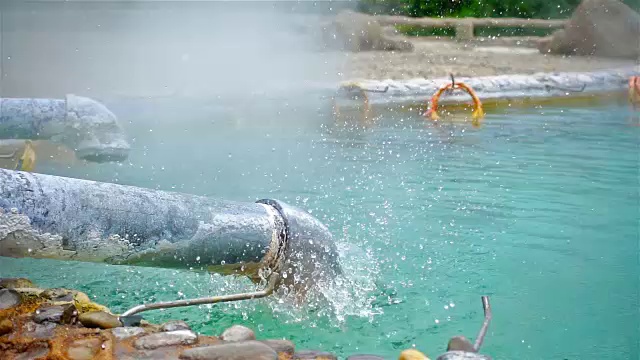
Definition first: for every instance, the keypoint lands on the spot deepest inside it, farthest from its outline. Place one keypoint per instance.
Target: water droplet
(198, 258)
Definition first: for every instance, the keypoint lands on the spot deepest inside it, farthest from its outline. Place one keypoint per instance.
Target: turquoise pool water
(539, 209)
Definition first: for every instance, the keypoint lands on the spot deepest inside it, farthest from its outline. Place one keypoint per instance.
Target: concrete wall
(156, 48)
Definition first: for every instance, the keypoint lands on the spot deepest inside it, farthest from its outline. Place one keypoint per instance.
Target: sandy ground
(433, 58)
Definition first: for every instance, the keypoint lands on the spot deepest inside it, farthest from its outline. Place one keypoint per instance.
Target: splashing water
(536, 208)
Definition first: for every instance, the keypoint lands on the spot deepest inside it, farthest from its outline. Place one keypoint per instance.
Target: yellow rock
(412, 354)
(84, 304)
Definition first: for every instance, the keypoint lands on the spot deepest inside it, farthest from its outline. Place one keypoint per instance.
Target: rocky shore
(59, 324)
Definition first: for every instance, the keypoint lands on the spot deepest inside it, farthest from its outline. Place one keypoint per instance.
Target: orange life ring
(478, 112)
(634, 91)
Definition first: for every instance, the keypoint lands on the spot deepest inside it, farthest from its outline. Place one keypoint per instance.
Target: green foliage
(411, 30)
(541, 9)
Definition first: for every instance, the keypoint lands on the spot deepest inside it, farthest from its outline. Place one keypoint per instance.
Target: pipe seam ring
(274, 259)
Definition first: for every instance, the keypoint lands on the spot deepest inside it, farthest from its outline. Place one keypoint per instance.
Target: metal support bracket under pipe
(45, 216)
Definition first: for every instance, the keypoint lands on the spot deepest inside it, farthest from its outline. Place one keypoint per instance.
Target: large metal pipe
(44, 216)
(79, 123)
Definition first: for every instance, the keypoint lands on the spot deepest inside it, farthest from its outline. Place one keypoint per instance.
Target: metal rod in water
(273, 279)
(485, 325)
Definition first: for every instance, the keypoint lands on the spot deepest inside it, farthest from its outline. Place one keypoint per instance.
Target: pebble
(6, 326)
(460, 343)
(314, 355)
(175, 325)
(238, 333)
(365, 357)
(462, 355)
(170, 338)
(281, 346)
(99, 319)
(9, 298)
(122, 333)
(253, 350)
(412, 354)
(12, 283)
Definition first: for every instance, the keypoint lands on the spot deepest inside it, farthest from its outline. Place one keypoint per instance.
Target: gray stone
(61, 314)
(49, 313)
(238, 333)
(99, 319)
(9, 298)
(462, 355)
(12, 283)
(175, 325)
(37, 352)
(170, 338)
(247, 350)
(314, 355)
(58, 294)
(460, 343)
(365, 357)
(122, 333)
(281, 346)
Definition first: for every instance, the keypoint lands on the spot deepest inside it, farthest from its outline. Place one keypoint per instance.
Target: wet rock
(84, 349)
(99, 319)
(412, 354)
(12, 283)
(170, 338)
(238, 333)
(175, 325)
(6, 326)
(9, 298)
(246, 350)
(365, 357)
(35, 352)
(282, 347)
(462, 355)
(460, 343)
(122, 333)
(314, 355)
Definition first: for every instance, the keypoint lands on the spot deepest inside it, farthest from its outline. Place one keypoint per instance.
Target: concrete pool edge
(498, 91)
